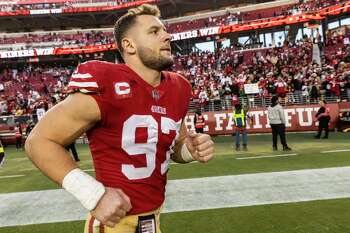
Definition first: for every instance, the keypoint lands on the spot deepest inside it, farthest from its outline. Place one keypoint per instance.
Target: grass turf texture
(225, 163)
(306, 217)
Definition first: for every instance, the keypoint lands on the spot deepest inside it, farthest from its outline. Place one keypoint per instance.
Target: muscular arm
(59, 127)
(45, 147)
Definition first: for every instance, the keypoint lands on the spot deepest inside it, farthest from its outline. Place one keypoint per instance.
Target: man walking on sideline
(277, 123)
(323, 118)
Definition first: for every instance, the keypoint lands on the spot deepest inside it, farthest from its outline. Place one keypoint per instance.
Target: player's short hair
(125, 22)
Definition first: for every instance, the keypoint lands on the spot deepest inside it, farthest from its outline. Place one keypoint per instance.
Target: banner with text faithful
(298, 118)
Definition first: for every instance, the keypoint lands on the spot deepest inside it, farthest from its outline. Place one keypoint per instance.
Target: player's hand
(112, 207)
(200, 146)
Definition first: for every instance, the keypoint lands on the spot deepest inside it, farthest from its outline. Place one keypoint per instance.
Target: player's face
(153, 43)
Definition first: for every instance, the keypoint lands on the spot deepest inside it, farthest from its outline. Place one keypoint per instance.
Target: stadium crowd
(98, 38)
(63, 40)
(56, 5)
(287, 71)
(24, 90)
(241, 17)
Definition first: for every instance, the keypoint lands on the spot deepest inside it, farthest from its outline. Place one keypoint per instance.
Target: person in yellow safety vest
(2, 154)
(240, 120)
(199, 122)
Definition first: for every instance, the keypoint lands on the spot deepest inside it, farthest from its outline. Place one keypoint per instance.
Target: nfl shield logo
(155, 94)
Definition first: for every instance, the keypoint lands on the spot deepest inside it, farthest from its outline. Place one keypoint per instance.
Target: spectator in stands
(297, 86)
(323, 118)
(277, 123)
(215, 96)
(203, 97)
(4, 107)
(281, 89)
(314, 92)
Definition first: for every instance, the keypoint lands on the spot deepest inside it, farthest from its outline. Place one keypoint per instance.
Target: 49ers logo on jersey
(122, 90)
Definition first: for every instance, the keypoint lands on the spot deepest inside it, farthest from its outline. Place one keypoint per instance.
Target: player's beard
(153, 59)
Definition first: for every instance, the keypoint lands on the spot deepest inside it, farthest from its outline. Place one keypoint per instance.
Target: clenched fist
(112, 207)
(200, 146)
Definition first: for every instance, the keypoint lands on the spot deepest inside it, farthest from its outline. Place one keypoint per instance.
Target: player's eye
(155, 32)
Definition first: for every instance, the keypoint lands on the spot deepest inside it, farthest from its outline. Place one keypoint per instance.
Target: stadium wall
(298, 118)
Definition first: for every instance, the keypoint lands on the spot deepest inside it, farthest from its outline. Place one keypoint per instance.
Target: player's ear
(129, 46)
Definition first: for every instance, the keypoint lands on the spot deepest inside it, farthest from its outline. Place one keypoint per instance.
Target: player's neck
(152, 77)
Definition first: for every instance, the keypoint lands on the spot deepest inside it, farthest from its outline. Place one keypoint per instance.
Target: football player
(133, 115)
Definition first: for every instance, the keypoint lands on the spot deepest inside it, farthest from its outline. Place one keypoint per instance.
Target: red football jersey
(132, 143)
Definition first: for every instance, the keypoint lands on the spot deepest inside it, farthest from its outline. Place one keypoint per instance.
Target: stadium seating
(36, 5)
(84, 38)
(91, 38)
(214, 76)
(210, 74)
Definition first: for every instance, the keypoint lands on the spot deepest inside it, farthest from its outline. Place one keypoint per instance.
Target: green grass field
(304, 217)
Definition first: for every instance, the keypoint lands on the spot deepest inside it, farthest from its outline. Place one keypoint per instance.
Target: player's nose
(167, 37)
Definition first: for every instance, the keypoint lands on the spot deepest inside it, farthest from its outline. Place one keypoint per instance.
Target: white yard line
(173, 163)
(334, 151)
(266, 156)
(17, 159)
(28, 169)
(89, 170)
(13, 176)
(191, 194)
(85, 170)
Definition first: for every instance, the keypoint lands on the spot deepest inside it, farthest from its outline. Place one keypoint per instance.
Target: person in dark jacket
(277, 123)
(323, 118)
(199, 122)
